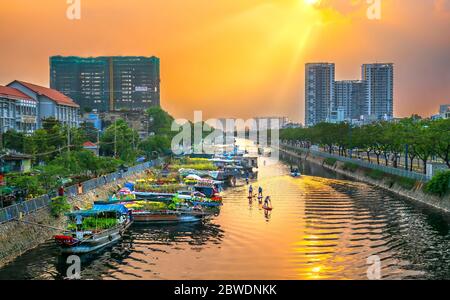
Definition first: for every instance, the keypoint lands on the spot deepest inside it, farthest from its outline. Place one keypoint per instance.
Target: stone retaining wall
(17, 237)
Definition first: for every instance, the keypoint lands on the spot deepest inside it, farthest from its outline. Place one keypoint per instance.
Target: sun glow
(312, 2)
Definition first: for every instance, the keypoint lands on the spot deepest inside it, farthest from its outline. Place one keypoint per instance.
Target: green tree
(88, 132)
(160, 122)
(424, 144)
(158, 144)
(14, 140)
(440, 131)
(121, 140)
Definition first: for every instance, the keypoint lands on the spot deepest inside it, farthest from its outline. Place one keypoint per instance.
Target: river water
(322, 227)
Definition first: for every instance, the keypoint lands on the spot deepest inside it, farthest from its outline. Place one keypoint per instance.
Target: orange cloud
(238, 58)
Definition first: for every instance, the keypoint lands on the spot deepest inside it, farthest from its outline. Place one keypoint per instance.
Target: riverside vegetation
(419, 140)
(58, 157)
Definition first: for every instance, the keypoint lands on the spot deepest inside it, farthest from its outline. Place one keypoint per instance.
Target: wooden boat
(199, 199)
(167, 216)
(159, 212)
(165, 197)
(88, 240)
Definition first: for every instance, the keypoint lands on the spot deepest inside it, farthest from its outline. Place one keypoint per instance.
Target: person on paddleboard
(267, 202)
(260, 192)
(250, 191)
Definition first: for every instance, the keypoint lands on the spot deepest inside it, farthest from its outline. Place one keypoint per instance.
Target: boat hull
(207, 204)
(157, 197)
(96, 242)
(165, 217)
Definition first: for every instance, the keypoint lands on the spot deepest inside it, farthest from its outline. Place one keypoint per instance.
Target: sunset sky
(239, 58)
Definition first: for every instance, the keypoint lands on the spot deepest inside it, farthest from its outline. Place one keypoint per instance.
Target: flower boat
(198, 199)
(159, 212)
(93, 229)
(158, 188)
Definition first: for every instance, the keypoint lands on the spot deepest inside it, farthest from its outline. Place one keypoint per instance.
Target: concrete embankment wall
(416, 193)
(18, 237)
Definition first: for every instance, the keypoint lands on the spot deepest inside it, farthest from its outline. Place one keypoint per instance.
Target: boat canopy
(100, 208)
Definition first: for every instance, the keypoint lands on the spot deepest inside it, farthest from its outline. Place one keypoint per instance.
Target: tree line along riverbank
(412, 142)
(406, 187)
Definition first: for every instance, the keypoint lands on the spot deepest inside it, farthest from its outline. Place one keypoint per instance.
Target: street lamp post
(350, 141)
(2, 127)
(406, 157)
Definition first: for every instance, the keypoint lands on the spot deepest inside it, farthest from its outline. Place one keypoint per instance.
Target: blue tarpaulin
(129, 185)
(101, 208)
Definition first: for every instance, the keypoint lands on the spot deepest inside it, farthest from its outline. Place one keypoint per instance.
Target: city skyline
(368, 99)
(225, 58)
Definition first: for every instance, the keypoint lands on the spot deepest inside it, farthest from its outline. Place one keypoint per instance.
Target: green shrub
(59, 206)
(350, 167)
(439, 184)
(330, 161)
(376, 174)
(406, 183)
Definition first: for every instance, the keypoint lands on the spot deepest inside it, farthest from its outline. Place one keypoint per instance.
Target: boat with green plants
(93, 229)
(176, 211)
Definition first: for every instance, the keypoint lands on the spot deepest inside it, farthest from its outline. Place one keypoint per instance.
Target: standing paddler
(250, 191)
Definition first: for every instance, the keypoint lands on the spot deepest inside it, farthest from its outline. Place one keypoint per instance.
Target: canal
(322, 227)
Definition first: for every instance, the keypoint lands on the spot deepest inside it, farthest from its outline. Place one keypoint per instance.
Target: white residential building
(319, 92)
(51, 103)
(18, 111)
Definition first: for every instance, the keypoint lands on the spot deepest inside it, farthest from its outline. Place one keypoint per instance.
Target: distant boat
(295, 172)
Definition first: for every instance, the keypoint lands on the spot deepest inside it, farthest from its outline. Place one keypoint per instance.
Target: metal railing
(30, 206)
(364, 164)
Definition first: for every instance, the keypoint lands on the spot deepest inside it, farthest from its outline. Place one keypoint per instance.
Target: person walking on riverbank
(61, 191)
(250, 191)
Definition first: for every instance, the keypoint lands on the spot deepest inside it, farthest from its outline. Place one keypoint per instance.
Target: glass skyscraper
(350, 97)
(319, 92)
(379, 79)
